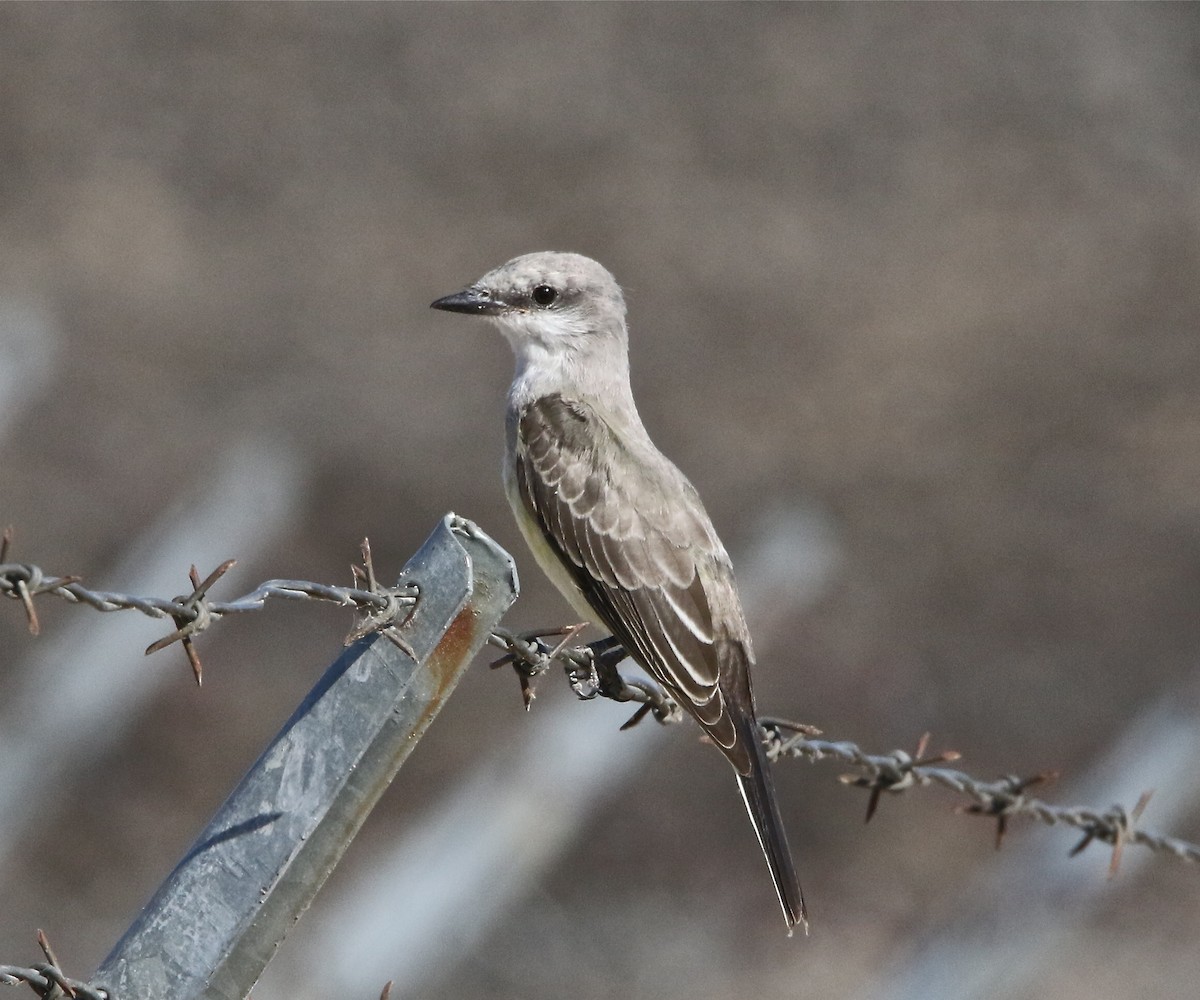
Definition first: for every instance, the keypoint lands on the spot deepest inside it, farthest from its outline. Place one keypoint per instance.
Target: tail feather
(758, 791)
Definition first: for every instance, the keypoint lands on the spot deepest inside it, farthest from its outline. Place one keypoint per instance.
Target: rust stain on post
(456, 645)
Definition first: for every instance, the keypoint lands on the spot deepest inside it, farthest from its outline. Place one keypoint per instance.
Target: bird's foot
(604, 679)
(591, 669)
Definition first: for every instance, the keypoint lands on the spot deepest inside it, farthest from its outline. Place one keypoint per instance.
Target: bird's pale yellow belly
(544, 555)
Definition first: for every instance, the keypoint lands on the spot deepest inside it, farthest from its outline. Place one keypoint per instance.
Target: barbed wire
(591, 671)
(48, 980)
(1000, 800)
(380, 608)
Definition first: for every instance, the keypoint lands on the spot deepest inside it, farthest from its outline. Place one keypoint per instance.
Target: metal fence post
(212, 926)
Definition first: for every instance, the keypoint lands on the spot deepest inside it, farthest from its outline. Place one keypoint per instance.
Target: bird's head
(557, 303)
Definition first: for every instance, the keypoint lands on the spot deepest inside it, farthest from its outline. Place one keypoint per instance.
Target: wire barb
(44, 944)
(897, 775)
(48, 980)
(382, 618)
(193, 616)
(23, 581)
(1114, 827)
(1010, 803)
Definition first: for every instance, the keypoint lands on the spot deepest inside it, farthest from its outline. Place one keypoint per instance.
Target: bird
(614, 524)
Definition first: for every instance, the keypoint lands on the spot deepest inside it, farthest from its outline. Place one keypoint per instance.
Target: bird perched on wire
(614, 524)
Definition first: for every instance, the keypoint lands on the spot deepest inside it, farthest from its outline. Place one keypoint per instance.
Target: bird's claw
(610, 683)
(591, 670)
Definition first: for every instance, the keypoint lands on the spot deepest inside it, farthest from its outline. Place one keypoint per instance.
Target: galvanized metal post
(213, 925)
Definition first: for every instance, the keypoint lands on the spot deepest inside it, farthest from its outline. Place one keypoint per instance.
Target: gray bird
(614, 524)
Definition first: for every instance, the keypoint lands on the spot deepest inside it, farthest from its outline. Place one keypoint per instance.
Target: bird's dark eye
(543, 295)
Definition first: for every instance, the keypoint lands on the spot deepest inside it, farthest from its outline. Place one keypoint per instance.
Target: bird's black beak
(477, 301)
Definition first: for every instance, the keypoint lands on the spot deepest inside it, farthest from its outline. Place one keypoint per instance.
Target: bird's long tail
(758, 791)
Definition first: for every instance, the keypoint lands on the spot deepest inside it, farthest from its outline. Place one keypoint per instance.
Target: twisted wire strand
(49, 981)
(897, 771)
(74, 592)
(379, 608)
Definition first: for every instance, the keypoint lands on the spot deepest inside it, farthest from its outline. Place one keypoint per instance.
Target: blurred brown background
(928, 274)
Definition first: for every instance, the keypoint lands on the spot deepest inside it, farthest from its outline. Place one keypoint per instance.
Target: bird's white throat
(556, 353)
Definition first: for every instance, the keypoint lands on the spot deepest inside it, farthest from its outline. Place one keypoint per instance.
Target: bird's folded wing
(632, 532)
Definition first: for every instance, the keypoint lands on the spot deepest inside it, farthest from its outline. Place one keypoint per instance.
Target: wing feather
(636, 540)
